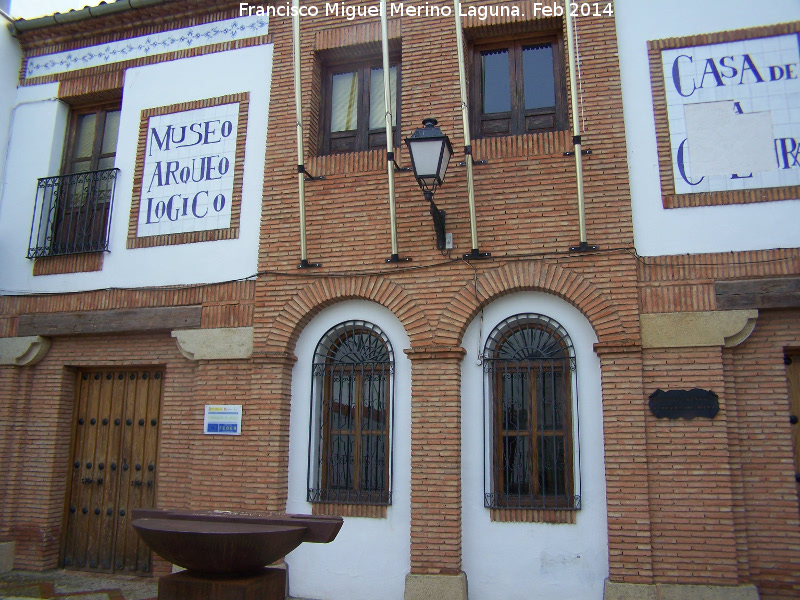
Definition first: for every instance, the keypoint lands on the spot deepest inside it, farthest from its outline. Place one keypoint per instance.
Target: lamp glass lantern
(430, 152)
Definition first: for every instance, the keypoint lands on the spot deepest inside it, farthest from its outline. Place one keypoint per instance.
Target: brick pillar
(436, 474)
(691, 490)
(15, 398)
(36, 448)
(625, 435)
(269, 408)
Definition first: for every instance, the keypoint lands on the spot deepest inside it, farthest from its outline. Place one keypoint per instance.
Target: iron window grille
(531, 424)
(72, 213)
(351, 404)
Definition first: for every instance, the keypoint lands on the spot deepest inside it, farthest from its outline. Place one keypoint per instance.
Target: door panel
(115, 441)
(114, 386)
(75, 519)
(793, 375)
(147, 476)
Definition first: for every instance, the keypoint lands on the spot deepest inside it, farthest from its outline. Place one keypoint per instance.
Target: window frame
(362, 135)
(517, 117)
(498, 494)
(72, 213)
(100, 109)
(322, 489)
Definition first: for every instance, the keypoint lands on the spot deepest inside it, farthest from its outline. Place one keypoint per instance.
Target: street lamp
(430, 152)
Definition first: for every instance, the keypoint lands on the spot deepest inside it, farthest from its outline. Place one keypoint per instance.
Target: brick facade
(738, 469)
(705, 502)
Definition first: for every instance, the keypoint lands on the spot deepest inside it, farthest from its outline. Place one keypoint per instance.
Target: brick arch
(533, 276)
(309, 301)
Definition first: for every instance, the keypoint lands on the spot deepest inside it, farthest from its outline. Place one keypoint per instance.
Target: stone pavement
(73, 585)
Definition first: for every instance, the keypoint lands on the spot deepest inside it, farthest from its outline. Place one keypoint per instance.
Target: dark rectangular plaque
(684, 404)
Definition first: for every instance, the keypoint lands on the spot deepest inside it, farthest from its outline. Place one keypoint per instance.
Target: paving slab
(73, 585)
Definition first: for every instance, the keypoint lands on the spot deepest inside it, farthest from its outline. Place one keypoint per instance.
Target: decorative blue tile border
(148, 45)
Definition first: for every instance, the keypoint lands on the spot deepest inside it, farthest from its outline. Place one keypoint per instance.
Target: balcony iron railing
(72, 214)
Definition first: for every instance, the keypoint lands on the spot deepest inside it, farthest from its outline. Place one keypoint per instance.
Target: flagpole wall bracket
(308, 176)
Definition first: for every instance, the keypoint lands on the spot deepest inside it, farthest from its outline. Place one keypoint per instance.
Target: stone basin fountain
(225, 553)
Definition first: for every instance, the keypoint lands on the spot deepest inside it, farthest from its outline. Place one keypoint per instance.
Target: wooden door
(112, 468)
(793, 375)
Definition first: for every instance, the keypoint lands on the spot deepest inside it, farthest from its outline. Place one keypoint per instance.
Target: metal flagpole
(576, 132)
(387, 103)
(474, 253)
(301, 171)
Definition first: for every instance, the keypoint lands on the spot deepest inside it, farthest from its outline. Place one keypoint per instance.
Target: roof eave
(89, 12)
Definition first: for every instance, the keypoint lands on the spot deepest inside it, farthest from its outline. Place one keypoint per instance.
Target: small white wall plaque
(223, 419)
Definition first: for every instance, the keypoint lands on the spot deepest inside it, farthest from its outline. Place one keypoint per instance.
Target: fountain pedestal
(269, 584)
(224, 553)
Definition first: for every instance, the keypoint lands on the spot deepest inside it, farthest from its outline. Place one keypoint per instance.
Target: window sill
(528, 144)
(68, 263)
(371, 511)
(342, 163)
(547, 510)
(533, 515)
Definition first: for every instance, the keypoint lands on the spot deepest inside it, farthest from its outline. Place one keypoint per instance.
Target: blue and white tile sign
(188, 171)
(734, 114)
(223, 419)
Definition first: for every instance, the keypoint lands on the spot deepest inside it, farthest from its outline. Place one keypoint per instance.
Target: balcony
(72, 214)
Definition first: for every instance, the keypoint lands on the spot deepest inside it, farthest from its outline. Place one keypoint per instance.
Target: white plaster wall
(689, 230)
(38, 133)
(520, 561)
(370, 558)
(10, 61)
(36, 137)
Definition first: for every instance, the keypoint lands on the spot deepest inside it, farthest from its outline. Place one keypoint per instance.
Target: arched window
(530, 381)
(350, 442)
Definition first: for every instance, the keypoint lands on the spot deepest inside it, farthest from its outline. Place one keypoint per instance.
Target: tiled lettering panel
(738, 105)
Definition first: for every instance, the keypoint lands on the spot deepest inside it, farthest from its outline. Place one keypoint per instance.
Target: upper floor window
(354, 112)
(92, 139)
(350, 420)
(518, 87)
(530, 365)
(72, 212)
